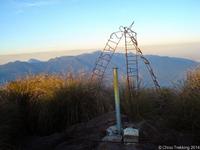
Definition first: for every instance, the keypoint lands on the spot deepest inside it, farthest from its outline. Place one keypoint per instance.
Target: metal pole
(117, 100)
(127, 68)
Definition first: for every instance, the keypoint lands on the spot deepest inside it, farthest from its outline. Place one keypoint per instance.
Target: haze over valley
(169, 70)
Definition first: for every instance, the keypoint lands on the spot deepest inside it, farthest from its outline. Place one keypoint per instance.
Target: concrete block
(112, 138)
(131, 135)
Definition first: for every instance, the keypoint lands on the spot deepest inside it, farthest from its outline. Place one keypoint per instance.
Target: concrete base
(131, 135)
(130, 140)
(112, 138)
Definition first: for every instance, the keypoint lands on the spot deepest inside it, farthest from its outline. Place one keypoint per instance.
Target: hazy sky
(54, 25)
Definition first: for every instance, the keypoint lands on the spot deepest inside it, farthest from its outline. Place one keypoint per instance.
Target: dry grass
(44, 104)
(176, 109)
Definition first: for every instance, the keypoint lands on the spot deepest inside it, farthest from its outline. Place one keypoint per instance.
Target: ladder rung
(129, 64)
(130, 43)
(102, 57)
(132, 75)
(131, 60)
(108, 50)
(130, 49)
(100, 75)
(110, 47)
(113, 42)
(98, 70)
(101, 65)
(106, 54)
(132, 70)
(132, 63)
(131, 56)
(102, 62)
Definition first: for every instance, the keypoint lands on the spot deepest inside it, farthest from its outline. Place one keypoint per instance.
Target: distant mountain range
(167, 69)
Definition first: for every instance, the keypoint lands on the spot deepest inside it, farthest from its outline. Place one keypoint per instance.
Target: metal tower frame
(132, 53)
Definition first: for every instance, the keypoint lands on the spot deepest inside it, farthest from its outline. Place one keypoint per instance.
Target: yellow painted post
(117, 99)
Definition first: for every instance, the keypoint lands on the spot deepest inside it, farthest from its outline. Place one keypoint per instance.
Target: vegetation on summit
(46, 104)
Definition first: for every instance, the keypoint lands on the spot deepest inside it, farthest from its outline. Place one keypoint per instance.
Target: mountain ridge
(166, 68)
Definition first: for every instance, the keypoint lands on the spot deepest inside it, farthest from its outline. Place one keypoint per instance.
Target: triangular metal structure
(132, 54)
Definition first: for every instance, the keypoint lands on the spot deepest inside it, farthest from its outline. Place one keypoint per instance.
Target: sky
(28, 26)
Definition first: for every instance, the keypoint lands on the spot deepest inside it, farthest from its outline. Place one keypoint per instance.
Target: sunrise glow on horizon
(49, 25)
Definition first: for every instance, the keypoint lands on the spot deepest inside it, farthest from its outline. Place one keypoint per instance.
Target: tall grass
(189, 104)
(10, 122)
(177, 109)
(44, 104)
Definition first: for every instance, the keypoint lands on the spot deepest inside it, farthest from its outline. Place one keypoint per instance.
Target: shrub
(44, 104)
(10, 122)
(176, 109)
(51, 103)
(187, 106)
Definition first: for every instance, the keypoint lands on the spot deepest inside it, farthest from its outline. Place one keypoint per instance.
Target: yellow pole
(117, 99)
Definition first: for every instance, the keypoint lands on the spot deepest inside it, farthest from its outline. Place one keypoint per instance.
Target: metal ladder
(133, 36)
(105, 57)
(132, 52)
(131, 63)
